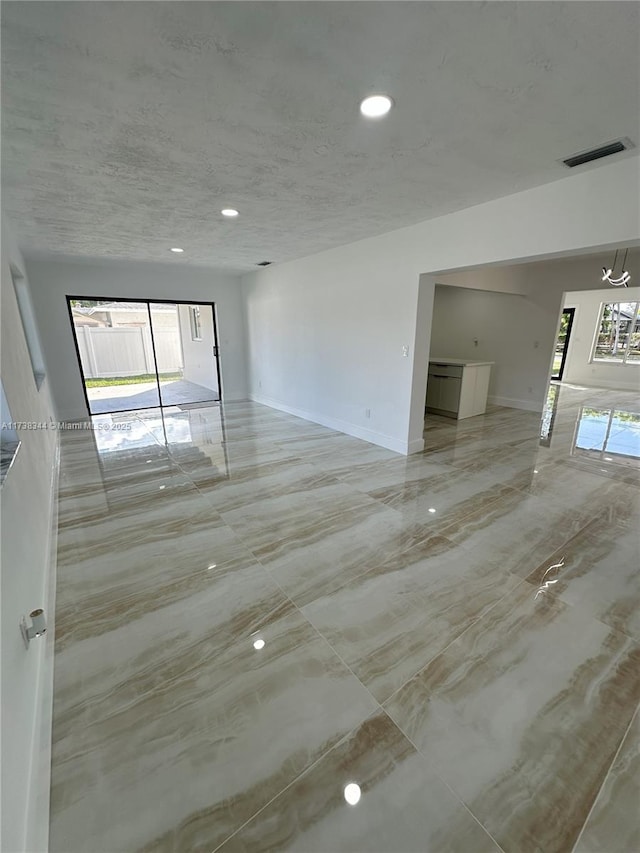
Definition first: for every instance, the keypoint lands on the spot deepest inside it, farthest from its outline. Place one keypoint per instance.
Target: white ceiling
(128, 126)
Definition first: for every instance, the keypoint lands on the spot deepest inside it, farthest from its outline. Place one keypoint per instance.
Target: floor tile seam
(351, 493)
(176, 462)
(375, 568)
(491, 441)
(467, 467)
(580, 608)
(306, 770)
(555, 458)
(605, 778)
(149, 431)
(319, 633)
(272, 577)
(401, 513)
(463, 804)
(407, 460)
(284, 444)
(437, 773)
(186, 474)
(485, 506)
(420, 668)
(378, 501)
(311, 480)
(565, 545)
(340, 658)
(411, 482)
(557, 502)
(338, 742)
(451, 642)
(361, 575)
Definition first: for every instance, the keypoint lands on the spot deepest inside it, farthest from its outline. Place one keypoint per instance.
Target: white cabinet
(450, 394)
(443, 386)
(457, 388)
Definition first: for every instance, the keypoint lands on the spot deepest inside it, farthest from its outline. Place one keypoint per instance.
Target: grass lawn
(106, 381)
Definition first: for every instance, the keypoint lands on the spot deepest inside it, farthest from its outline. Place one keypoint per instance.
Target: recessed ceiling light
(229, 211)
(376, 106)
(352, 793)
(259, 644)
(177, 250)
(432, 509)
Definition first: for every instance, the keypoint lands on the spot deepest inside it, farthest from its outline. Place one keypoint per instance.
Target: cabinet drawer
(437, 368)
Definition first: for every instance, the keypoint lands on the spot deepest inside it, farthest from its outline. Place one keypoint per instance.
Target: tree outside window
(618, 338)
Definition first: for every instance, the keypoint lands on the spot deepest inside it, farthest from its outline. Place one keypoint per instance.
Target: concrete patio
(144, 395)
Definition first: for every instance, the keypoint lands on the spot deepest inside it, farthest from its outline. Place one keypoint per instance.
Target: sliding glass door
(142, 355)
(196, 380)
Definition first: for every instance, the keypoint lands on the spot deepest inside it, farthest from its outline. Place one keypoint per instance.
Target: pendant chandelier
(624, 278)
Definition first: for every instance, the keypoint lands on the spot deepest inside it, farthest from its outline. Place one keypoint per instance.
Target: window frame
(195, 322)
(634, 321)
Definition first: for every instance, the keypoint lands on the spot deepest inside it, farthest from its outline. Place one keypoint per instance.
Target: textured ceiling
(128, 126)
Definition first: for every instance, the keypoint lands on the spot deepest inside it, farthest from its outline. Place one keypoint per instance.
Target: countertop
(463, 361)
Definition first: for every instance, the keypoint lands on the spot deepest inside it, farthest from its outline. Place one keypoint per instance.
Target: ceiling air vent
(598, 153)
(264, 264)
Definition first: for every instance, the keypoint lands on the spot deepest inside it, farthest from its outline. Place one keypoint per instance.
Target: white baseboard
(515, 403)
(355, 430)
(37, 829)
(415, 446)
(240, 397)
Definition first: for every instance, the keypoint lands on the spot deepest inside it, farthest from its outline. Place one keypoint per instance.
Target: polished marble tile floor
(254, 612)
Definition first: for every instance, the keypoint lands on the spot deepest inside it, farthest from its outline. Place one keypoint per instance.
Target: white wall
(52, 280)
(579, 369)
(508, 330)
(325, 343)
(198, 360)
(325, 333)
(27, 581)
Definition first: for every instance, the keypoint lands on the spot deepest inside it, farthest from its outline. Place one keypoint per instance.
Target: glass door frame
(148, 303)
(571, 312)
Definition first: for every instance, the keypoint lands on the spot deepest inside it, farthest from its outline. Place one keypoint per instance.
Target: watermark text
(63, 425)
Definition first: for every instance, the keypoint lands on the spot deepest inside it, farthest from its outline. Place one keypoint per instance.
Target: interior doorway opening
(145, 354)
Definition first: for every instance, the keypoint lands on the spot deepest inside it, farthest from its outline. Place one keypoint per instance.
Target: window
(618, 338)
(194, 318)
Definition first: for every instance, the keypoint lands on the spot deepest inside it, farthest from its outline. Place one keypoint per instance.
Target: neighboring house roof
(121, 307)
(81, 319)
(628, 312)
